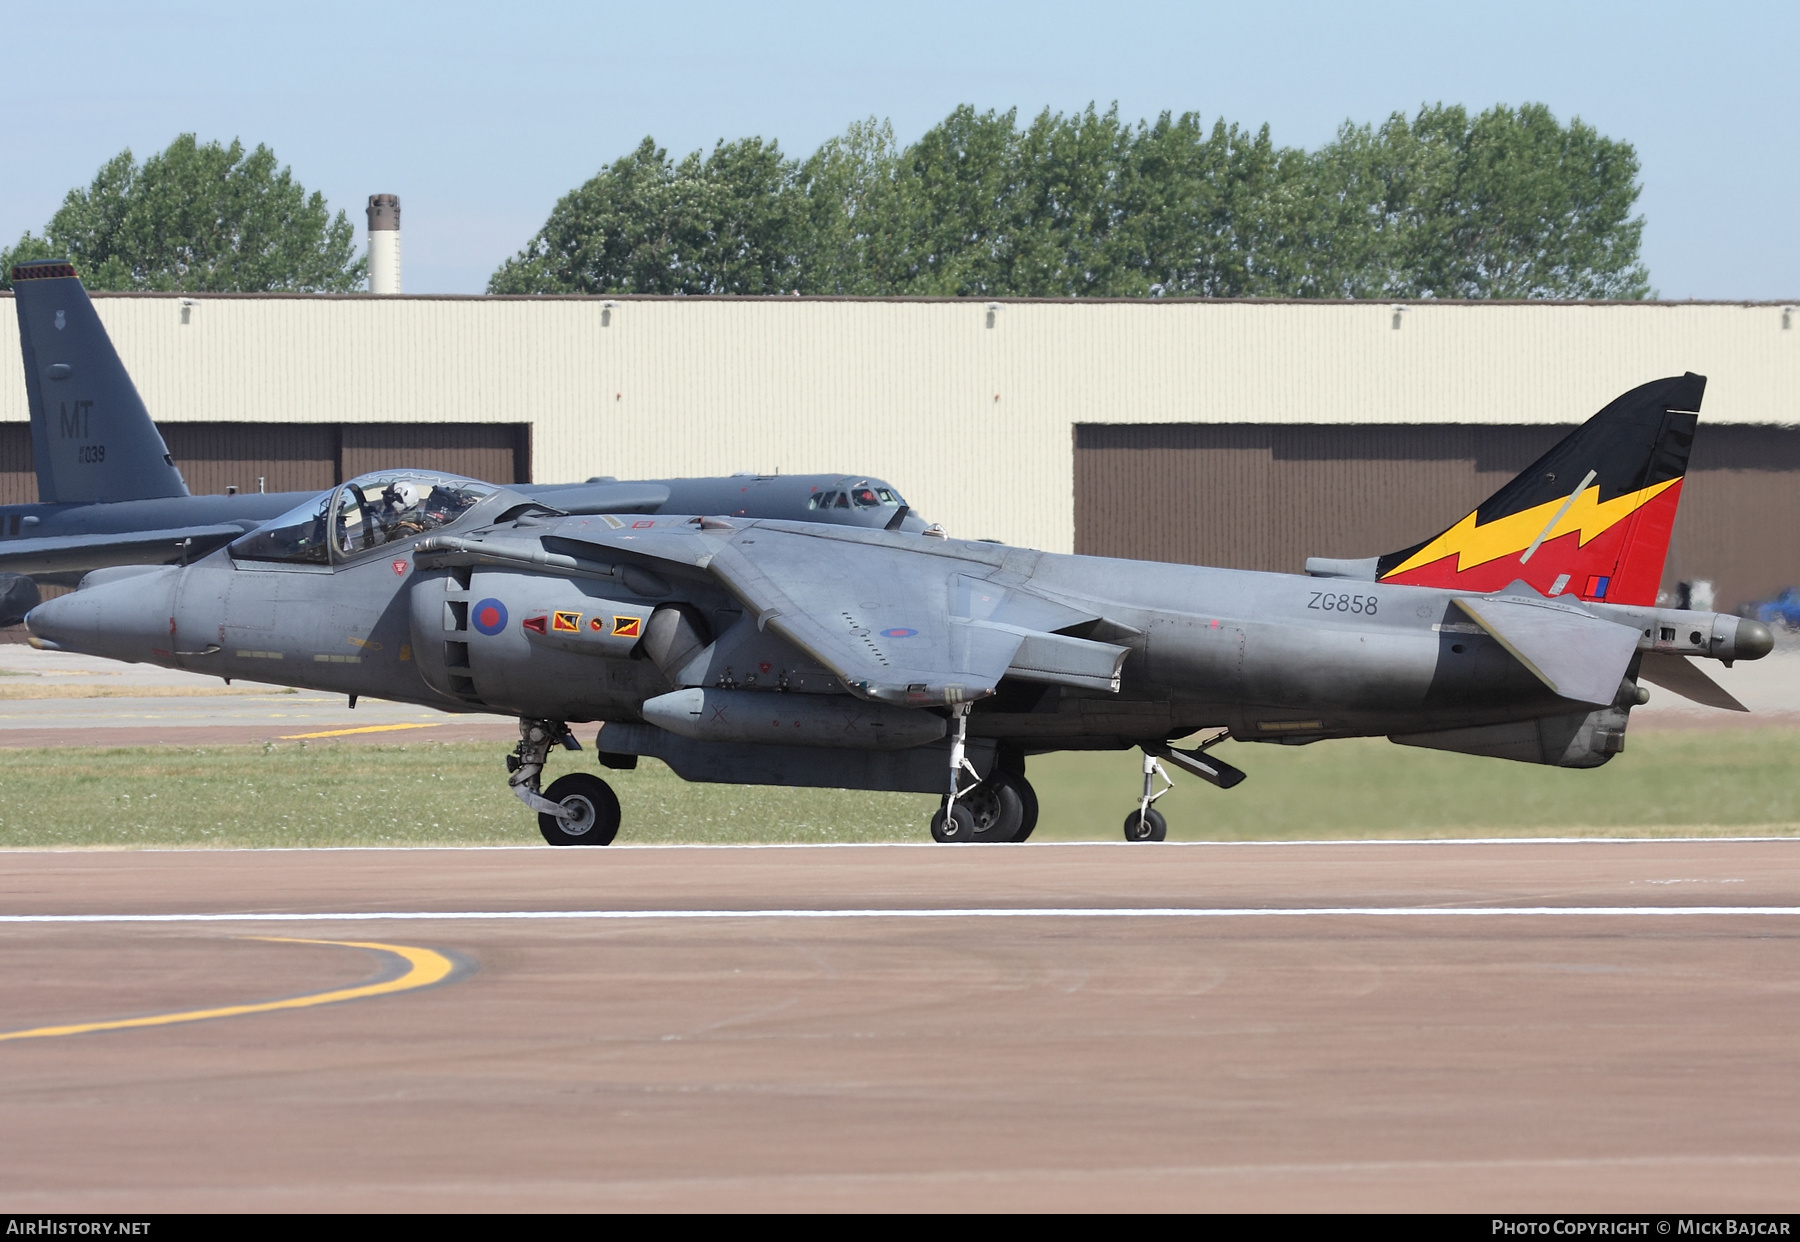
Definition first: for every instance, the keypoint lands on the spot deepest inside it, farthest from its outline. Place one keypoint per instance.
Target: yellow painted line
(301, 737)
(425, 967)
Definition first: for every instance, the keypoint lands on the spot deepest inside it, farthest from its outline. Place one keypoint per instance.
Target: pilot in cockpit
(401, 512)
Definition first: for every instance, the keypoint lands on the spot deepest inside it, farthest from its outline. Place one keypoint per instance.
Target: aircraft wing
(1676, 674)
(68, 554)
(918, 627)
(1575, 653)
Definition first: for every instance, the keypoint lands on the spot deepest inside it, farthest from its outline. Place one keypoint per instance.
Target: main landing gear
(1001, 808)
(577, 809)
(1147, 823)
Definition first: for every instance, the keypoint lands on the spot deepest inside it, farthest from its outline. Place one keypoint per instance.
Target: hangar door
(1249, 496)
(294, 457)
(304, 457)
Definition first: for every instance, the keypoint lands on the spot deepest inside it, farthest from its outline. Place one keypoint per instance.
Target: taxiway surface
(57, 698)
(1576, 1026)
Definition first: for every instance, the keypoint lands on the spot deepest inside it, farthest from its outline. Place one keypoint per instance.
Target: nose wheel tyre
(593, 811)
(1148, 826)
(956, 827)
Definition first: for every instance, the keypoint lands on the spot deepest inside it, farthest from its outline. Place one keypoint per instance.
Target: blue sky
(480, 116)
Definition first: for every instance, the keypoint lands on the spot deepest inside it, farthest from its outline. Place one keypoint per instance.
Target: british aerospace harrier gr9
(785, 653)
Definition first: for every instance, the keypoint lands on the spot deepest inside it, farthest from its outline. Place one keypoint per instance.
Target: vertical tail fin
(1590, 518)
(91, 437)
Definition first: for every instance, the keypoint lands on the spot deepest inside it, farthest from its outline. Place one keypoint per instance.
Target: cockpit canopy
(375, 509)
(868, 494)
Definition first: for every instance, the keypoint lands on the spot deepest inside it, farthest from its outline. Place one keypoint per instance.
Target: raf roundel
(489, 616)
(899, 631)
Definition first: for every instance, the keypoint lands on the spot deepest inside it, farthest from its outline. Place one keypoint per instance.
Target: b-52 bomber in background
(110, 494)
(751, 651)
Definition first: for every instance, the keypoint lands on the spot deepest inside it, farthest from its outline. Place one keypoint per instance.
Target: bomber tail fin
(91, 437)
(1591, 518)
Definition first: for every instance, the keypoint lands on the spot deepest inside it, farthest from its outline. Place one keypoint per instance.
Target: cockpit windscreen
(869, 494)
(361, 516)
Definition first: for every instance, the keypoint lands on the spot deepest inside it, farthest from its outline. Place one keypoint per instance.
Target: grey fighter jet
(782, 653)
(109, 492)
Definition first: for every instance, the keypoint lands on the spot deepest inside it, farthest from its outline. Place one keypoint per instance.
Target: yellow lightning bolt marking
(1510, 535)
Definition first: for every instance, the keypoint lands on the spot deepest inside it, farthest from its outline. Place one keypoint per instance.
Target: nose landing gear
(577, 809)
(588, 815)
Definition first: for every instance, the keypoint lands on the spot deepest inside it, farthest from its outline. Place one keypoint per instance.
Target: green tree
(1509, 203)
(849, 241)
(725, 223)
(1204, 210)
(198, 218)
(1506, 204)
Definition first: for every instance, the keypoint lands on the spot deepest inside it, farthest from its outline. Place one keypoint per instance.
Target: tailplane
(91, 437)
(1590, 519)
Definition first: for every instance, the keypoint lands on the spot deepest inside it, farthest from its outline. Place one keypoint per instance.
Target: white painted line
(621, 847)
(977, 912)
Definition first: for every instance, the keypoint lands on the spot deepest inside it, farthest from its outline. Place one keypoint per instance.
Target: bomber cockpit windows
(297, 536)
(379, 509)
(874, 496)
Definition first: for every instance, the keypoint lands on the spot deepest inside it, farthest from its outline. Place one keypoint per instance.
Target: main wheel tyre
(997, 808)
(955, 828)
(1149, 826)
(593, 807)
(1028, 807)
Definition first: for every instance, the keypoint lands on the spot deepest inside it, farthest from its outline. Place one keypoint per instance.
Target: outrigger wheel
(591, 811)
(954, 828)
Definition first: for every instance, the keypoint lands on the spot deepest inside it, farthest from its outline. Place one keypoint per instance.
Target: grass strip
(454, 793)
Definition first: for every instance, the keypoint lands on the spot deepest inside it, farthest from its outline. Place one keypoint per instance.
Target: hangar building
(1239, 433)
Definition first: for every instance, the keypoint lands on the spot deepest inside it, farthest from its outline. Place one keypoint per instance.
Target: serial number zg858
(1326, 601)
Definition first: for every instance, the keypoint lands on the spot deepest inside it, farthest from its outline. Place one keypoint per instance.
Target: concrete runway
(720, 1050)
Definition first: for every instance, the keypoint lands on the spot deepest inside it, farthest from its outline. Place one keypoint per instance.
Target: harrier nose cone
(1753, 640)
(125, 618)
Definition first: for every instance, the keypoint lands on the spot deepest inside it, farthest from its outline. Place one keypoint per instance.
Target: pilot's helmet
(402, 494)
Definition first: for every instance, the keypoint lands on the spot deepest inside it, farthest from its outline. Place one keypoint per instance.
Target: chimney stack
(384, 243)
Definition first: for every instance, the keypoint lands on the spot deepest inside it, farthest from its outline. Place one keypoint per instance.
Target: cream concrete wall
(972, 422)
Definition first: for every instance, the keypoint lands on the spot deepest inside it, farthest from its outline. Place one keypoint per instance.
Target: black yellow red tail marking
(1590, 518)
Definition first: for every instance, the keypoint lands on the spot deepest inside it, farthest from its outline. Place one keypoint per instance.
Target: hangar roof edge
(1769, 303)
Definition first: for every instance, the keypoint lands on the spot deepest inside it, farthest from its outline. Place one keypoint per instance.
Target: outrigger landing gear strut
(959, 761)
(952, 821)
